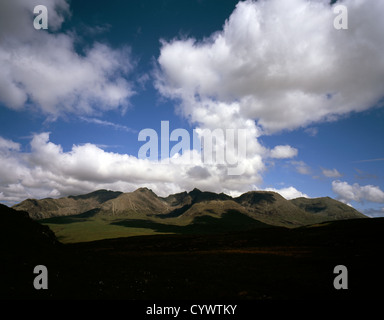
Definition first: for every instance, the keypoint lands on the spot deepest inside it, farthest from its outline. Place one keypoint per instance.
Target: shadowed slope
(327, 208)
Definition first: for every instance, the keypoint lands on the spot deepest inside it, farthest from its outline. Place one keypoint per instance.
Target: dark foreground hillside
(269, 263)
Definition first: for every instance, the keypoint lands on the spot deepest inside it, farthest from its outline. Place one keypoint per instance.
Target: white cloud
(288, 193)
(355, 192)
(331, 173)
(48, 171)
(42, 70)
(280, 63)
(283, 152)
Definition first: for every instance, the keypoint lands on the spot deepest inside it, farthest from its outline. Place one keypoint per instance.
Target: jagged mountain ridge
(265, 206)
(71, 205)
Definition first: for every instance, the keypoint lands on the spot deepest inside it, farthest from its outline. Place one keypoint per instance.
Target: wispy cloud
(331, 173)
(301, 167)
(311, 131)
(374, 213)
(362, 175)
(108, 124)
(369, 160)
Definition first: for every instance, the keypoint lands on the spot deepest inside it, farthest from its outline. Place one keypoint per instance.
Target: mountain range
(265, 207)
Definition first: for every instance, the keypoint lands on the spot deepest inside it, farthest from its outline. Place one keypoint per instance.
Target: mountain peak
(199, 196)
(101, 195)
(256, 197)
(143, 189)
(195, 191)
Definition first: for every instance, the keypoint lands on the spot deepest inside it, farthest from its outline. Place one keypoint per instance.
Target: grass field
(73, 230)
(80, 228)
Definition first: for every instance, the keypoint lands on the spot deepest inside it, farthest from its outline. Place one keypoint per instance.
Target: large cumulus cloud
(279, 63)
(41, 69)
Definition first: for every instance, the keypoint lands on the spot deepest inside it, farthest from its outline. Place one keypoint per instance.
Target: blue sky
(74, 98)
